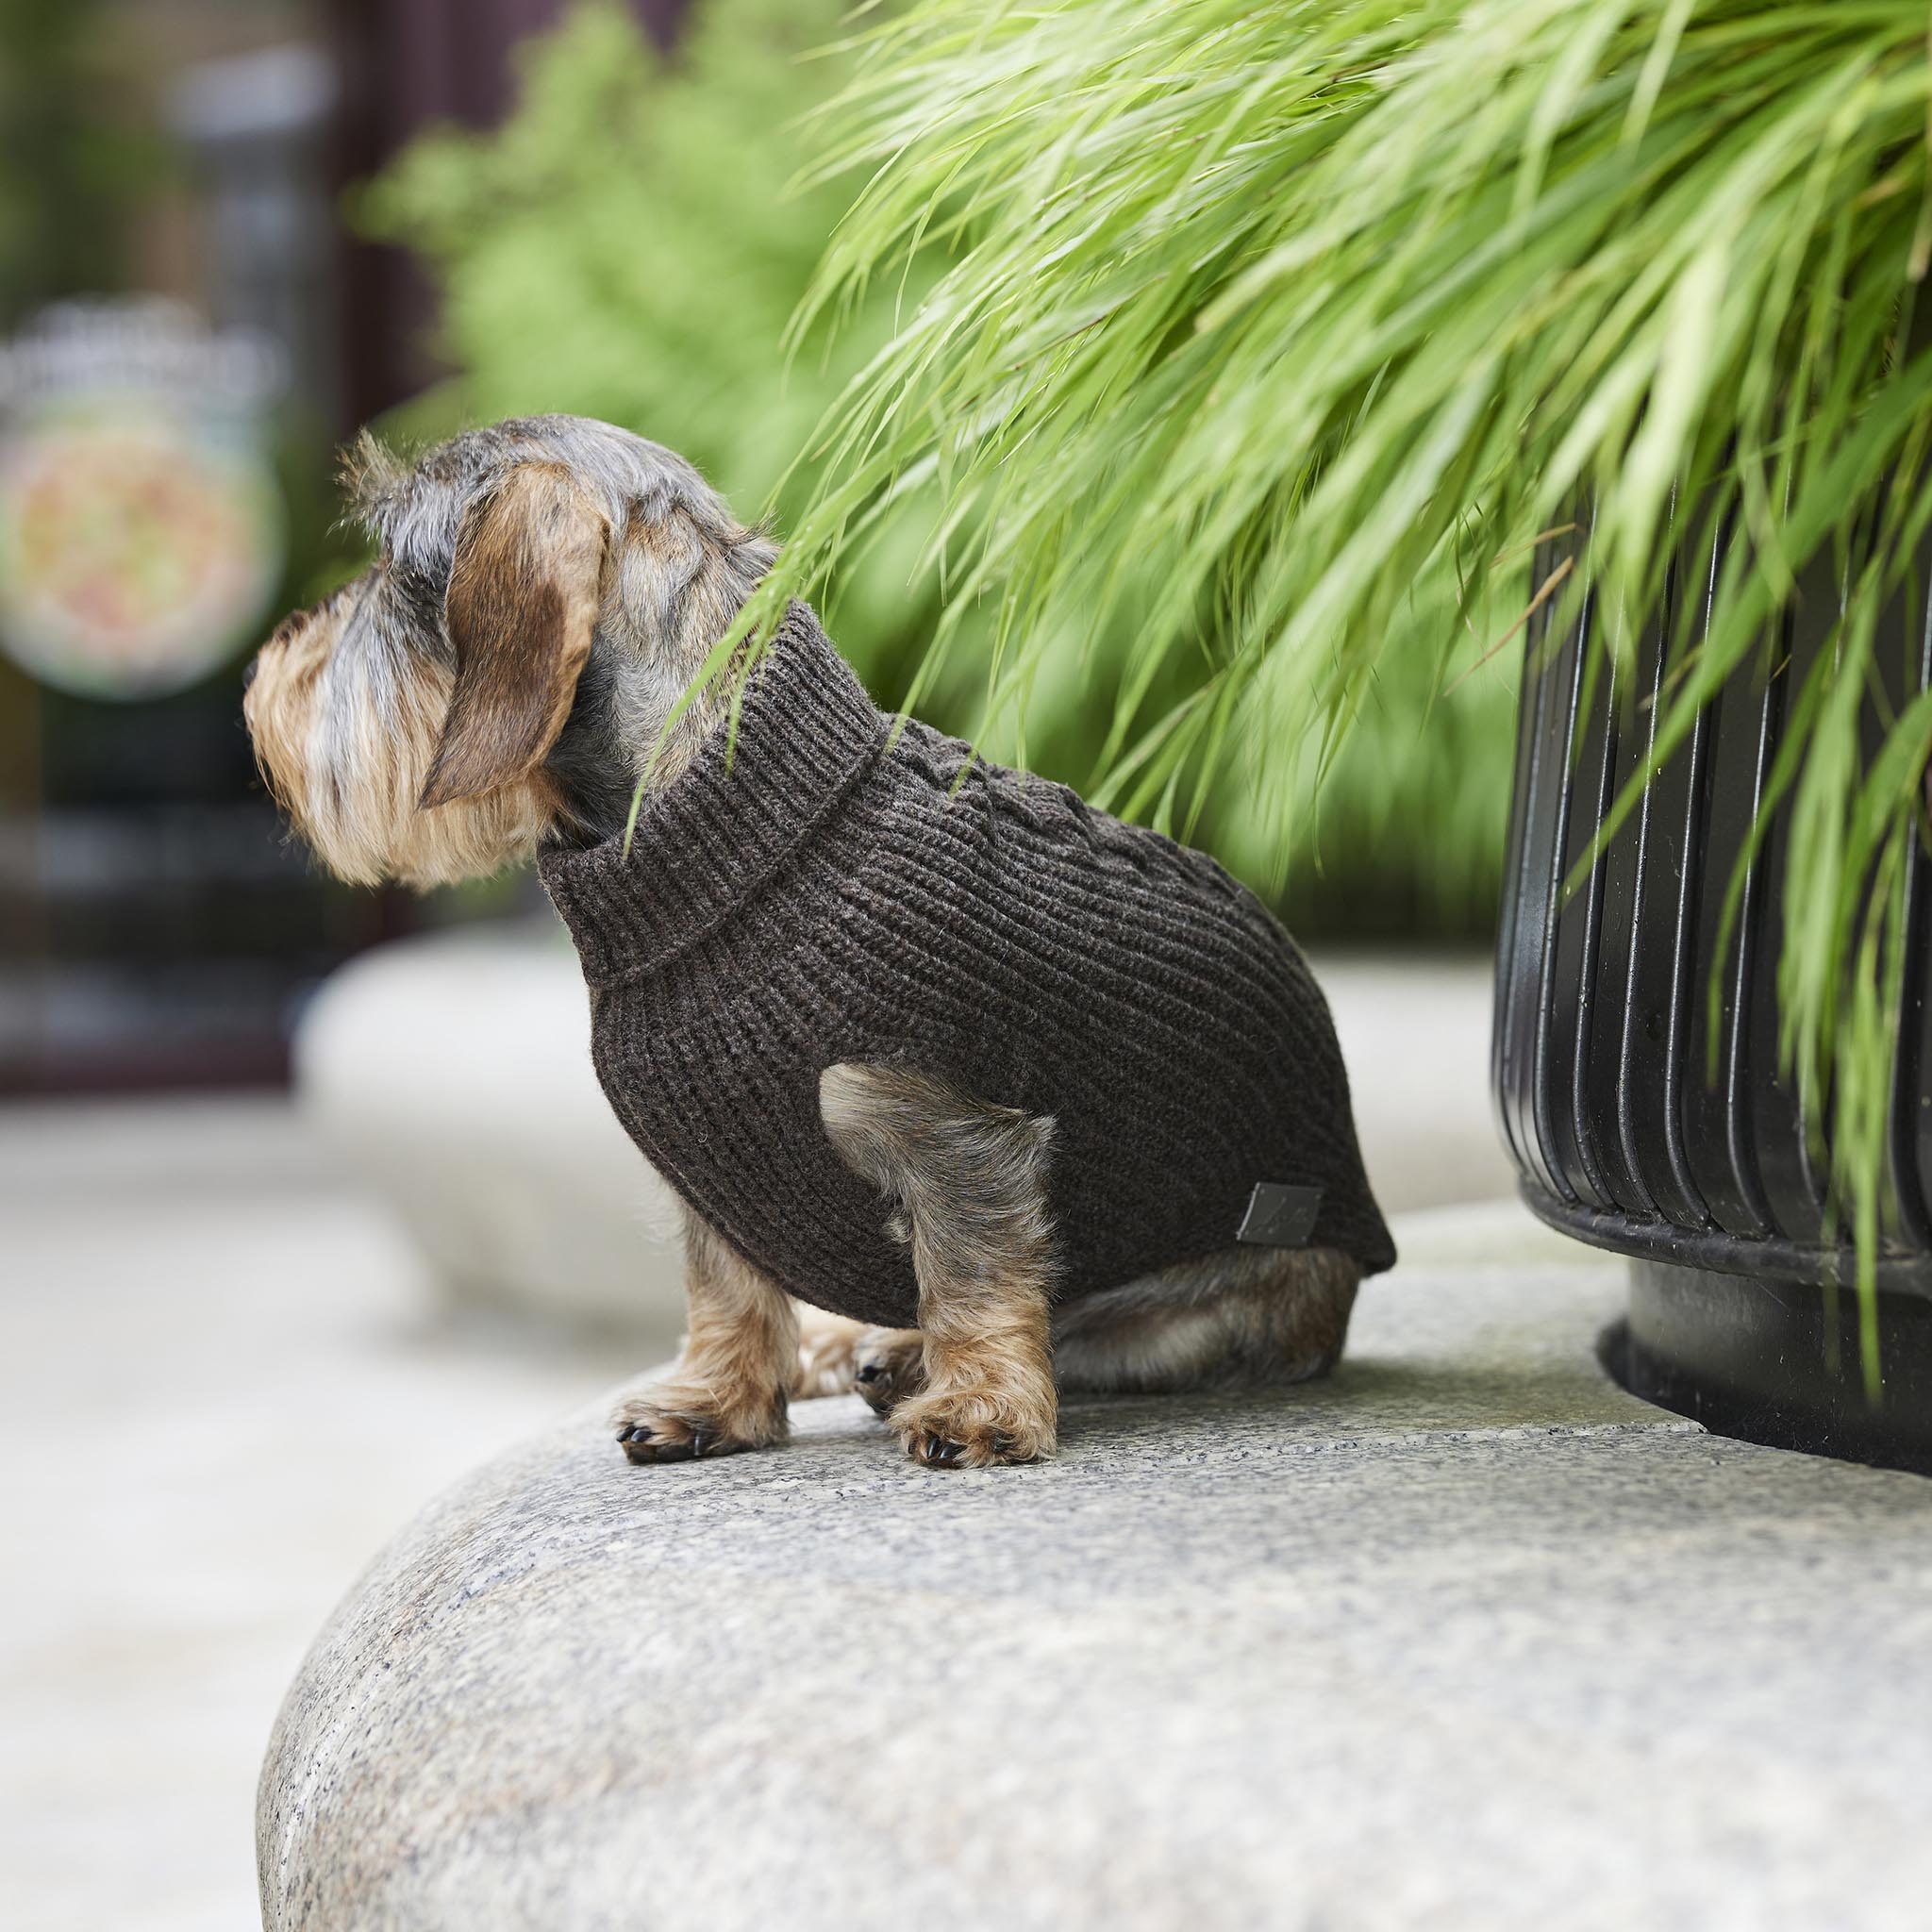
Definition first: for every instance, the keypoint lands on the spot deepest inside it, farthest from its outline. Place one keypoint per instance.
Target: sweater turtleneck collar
(719, 832)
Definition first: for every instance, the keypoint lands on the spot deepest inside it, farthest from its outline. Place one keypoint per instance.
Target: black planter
(1743, 1312)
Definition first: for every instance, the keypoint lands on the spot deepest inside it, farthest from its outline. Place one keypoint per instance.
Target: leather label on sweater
(1281, 1217)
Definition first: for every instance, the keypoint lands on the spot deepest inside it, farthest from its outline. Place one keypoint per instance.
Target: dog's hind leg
(1246, 1317)
(887, 1365)
(740, 1360)
(967, 1186)
(828, 1349)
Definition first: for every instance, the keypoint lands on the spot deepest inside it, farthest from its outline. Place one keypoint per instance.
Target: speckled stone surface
(1465, 1638)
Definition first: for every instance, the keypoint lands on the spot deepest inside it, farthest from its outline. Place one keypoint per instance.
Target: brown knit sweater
(825, 893)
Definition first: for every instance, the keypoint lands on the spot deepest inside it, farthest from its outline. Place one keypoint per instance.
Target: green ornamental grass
(1272, 336)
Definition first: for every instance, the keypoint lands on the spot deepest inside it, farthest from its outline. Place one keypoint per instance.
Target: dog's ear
(522, 605)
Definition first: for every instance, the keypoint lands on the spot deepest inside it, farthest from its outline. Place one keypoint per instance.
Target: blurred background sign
(140, 524)
(189, 325)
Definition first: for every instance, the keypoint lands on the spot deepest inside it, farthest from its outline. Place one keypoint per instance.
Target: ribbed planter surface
(1638, 1117)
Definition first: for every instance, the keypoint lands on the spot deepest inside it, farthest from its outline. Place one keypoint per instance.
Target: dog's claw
(975, 1448)
(686, 1427)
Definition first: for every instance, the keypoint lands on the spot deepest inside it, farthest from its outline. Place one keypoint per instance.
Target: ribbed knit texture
(818, 892)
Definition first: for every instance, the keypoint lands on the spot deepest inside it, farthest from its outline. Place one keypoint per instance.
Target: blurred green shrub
(70, 172)
(627, 246)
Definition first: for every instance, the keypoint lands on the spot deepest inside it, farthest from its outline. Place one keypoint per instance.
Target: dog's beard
(345, 745)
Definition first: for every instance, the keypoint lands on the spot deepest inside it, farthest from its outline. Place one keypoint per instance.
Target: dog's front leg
(739, 1358)
(967, 1180)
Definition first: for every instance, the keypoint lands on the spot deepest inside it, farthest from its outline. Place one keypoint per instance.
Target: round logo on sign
(140, 528)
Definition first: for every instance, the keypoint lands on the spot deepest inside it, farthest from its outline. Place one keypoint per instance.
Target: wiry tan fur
(1243, 1318)
(346, 750)
(741, 1357)
(505, 674)
(828, 1352)
(968, 1187)
(413, 725)
(1250, 1317)
(975, 1176)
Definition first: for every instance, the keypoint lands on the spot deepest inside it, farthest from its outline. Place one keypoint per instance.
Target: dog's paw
(888, 1367)
(827, 1351)
(681, 1423)
(973, 1430)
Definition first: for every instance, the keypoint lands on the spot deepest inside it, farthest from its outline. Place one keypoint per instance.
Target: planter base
(1772, 1360)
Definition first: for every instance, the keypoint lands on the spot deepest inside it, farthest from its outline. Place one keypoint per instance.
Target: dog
(522, 657)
